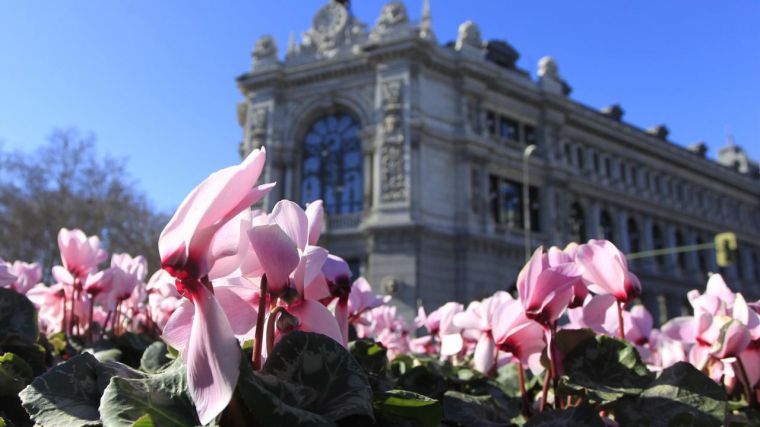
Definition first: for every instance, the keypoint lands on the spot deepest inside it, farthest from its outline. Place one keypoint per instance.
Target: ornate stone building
(418, 150)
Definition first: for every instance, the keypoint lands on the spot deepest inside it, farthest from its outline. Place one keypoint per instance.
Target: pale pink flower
(27, 275)
(606, 270)
(205, 336)
(546, 284)
(80, 255)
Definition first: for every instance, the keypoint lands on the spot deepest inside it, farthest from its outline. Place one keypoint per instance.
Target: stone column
(622, 239)
(594, 230)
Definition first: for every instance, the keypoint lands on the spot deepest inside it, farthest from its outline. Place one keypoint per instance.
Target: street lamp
(526, 198)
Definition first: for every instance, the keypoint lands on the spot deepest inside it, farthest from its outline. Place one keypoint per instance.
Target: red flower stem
(523, 391)
(260, 324)
(751, 397)
(555, 364)
(620, 319)
(91, 320)
(271, 323)
(105, 324)
(545, 390)
(64, 321)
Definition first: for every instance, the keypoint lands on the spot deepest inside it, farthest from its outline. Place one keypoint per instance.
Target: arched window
(605, 226)
(658, 243)
(681, 255)
(332, 164)
(634, 238)
(576, 223)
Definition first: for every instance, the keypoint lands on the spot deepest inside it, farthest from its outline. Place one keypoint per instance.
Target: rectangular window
(491, 122)
(509, 129)
(530, 134)
(507, 204)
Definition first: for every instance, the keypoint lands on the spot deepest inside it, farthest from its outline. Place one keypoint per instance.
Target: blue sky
(155, 81)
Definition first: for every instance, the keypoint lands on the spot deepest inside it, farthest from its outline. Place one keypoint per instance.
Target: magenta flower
(210, 350)
(545, 285)
(606, 270)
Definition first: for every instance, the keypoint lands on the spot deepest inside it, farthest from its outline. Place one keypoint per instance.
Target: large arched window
(332, 164)
(634, 238)
(576, 223)
(606, 227)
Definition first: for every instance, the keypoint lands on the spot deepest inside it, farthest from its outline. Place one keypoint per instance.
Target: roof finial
(729, 137)
(291, 44)
(426, 22)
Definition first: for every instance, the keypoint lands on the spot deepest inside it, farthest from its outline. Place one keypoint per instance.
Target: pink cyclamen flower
(480, 318)
(545, 284)
(80, 255)
(606, 270)
(7, 279)
(580, 290)
(514, 333)
(363, 298)
(27, 275)
(211, 351)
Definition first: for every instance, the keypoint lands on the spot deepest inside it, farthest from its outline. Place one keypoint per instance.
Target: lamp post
(526, 199)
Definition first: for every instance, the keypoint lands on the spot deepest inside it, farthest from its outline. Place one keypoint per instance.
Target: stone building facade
(418, 149)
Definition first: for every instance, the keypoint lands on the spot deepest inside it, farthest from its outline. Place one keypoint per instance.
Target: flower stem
(620, 319)
(554, 362)
(271, 323)
(751, 398)
(91, 320)
(545, 390)
(260, 324)
(523, 391)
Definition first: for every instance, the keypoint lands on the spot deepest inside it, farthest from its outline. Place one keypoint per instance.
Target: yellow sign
(725, 249)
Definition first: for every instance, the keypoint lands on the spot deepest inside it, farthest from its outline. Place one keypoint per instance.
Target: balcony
(344, 221)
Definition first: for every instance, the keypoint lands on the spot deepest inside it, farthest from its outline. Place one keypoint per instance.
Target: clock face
(331, 19)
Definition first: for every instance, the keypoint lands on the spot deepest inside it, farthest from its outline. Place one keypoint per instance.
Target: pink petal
(277, 253)
(315, 214)
(314, 317)
(310, 266)
(292, 219)
(61, 275)
(241, 314)
(485, 352)
(451, 344)
(212, 356)
(176, 332)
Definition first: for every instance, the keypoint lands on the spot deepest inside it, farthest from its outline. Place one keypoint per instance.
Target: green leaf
(15, 374)
(144, 421)
(371, 356)
(110, 355)
(162, 396)
(400, 407)
(320, 363)
(423, 380)
(18, 317)
(275, 402)
(582, 415)
(604, 369)
(680, 396)
(154, 357)
(132, 346)
(466, 410)
(69, 393)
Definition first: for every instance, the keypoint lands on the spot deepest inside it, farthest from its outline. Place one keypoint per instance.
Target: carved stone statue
(469, 35)
(265, 49)
(547, 68)
(392, 18)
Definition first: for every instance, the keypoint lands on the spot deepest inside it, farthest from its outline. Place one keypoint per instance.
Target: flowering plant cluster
(250, 322)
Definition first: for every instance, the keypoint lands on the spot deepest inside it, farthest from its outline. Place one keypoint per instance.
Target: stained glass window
(332, 164)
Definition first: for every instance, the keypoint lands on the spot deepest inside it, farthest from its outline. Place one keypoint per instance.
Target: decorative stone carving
(426, 22)
(264, 52)
(257, 122)
(333, 29)
(392, 21)
(549, 78)
(393, 150)
(469, 35)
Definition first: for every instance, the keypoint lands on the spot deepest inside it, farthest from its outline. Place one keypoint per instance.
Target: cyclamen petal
(277, 252)
(212, 357)
(485, 351)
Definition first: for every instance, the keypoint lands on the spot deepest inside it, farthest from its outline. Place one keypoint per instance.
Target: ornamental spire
(426, 22)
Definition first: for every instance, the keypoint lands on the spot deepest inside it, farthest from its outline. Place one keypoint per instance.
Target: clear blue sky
(155, 80)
